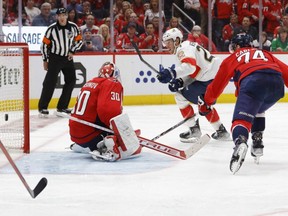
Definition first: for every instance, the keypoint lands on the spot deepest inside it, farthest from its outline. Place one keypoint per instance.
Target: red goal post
(14, 96)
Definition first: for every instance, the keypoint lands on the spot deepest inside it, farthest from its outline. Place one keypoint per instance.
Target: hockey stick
(141, 58)
(181, 154)
(111, 131)
(39, 187)
(173, 127)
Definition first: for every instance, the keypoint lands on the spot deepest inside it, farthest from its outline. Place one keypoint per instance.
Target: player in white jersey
(195, 70)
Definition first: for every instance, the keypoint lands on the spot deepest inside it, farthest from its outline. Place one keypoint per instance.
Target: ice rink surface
(153, 184)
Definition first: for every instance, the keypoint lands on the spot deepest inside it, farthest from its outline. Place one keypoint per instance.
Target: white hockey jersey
(195, 62)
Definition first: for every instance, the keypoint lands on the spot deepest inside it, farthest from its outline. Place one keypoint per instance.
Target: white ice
(152, 184)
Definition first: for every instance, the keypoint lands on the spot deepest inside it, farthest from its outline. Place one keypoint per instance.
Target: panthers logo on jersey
(180, 55)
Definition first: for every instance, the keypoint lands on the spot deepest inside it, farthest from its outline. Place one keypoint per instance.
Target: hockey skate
(105, 156)
(78, 149)
(43, 113)
(101, 147)
(61, 112)
(192, 135)
(107, 150)
(257, 146)
(221, 134)
(67, 111)
(239, 154)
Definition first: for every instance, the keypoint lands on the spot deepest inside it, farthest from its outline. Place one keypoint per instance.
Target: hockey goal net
(14, 96)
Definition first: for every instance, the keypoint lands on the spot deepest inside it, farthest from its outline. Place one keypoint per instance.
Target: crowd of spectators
(138, 20)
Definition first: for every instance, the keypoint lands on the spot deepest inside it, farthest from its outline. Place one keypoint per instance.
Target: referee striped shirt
(60, 40)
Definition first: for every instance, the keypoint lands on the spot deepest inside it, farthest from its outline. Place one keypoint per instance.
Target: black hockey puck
(6, 117)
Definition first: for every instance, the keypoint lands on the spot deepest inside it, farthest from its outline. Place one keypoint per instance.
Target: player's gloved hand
(176, 85)
(166, 74)
(203, 108)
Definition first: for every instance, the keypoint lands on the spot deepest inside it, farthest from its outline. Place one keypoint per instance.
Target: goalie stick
(141, 58)
(151, 144)
(181, 154)
(39, 187)
(111, 131)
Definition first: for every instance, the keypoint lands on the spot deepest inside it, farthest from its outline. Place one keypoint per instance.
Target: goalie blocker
(123, 144)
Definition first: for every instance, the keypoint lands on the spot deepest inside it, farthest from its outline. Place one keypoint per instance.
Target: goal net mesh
(12, 100)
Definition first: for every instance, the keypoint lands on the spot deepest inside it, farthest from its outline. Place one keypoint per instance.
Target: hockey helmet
(172, 34)
(109, 69)
(242, 40)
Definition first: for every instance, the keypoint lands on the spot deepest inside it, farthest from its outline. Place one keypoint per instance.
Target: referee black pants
(55, 65)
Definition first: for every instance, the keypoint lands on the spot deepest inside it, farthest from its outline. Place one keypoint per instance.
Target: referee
(60, 42)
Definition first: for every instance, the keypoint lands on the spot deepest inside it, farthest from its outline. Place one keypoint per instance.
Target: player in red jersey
(100, 102)
(259, 78)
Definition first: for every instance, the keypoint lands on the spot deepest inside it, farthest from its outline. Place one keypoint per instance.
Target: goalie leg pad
(126, 137)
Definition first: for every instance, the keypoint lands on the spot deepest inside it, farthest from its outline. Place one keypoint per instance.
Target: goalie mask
(169, 39)
(109, 69)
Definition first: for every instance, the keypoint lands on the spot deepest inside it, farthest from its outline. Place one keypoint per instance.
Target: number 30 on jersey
(115, 96)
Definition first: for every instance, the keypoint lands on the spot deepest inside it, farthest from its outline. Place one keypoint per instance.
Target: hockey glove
(166, 75)
(175, 85)
(203, 108)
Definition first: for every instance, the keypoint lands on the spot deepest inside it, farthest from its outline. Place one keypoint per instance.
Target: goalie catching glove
(203, 108)
(166, 74)
(176, 85)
